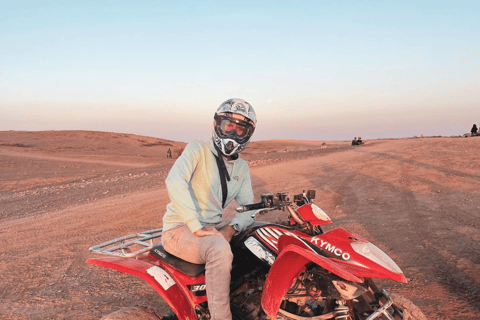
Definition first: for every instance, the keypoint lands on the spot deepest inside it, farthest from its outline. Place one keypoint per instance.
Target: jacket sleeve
(245, 196)
(178, 182)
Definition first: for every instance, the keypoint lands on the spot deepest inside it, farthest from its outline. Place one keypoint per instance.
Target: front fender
(159, 279)
(293, 257)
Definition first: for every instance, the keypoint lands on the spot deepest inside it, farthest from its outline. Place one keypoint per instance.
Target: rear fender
(158, 278)
(294, 255)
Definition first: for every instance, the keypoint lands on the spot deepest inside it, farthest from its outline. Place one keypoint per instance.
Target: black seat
(185, 267)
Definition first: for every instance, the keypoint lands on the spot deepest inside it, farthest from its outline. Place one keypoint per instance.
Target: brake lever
(263, 211)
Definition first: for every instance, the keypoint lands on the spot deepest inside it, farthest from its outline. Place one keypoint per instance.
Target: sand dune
(64, 191)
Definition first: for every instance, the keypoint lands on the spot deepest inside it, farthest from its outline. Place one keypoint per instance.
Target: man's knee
(220, 250)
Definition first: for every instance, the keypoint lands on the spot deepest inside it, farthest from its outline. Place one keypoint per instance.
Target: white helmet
(233, 127)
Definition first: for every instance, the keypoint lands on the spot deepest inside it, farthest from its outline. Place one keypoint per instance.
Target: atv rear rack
(129, 246)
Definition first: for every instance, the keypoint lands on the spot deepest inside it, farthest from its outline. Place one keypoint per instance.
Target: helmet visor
(230, 127)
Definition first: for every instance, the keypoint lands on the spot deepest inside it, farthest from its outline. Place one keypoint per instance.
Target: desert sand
(62, 192)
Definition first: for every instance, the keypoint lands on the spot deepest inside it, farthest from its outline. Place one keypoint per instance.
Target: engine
(310, 295)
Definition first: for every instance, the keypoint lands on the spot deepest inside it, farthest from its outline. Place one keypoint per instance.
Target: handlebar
(269, 201)
(281, 201)
(278, 200)
(248, 207)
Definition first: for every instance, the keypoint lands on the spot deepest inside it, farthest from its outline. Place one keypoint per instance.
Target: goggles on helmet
(233, 126)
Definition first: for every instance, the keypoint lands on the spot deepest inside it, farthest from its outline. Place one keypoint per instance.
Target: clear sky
(313, 70)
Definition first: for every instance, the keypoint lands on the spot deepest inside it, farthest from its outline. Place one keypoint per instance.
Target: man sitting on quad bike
(202, 182)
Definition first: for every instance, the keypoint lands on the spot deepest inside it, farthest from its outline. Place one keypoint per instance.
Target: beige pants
(216, 254)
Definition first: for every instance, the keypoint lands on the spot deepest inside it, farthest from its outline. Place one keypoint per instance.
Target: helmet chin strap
(223, 172)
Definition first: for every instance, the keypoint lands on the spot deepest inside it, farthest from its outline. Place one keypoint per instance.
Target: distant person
(169, 153)
(355, 142)
(285, 150)
(360, 141)
(474, 130)
(324, 145)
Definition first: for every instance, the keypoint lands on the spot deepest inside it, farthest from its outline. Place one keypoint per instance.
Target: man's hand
(228, 233)
(207, 231)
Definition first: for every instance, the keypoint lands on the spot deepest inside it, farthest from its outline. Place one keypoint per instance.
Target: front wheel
(410, 311)
(132, 313)
(387, 307)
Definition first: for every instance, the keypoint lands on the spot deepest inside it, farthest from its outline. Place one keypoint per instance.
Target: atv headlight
(319, 213)
(370, 251)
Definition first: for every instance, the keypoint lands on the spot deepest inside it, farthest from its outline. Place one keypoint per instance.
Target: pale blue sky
(313, 70)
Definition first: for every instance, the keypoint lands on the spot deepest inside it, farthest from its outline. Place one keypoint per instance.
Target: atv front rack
(129, 246)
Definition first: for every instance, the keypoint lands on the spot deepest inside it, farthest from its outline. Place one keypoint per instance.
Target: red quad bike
(280, 271)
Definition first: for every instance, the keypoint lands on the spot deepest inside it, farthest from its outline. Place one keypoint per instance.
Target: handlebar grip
(253, 206)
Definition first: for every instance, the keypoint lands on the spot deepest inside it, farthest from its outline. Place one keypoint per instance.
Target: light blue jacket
(195, 189)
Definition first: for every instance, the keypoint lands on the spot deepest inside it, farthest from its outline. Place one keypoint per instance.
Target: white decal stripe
(356, 263)
(303, 240)
(272, 233)
(267, 241)
(280, 233)
(306, 243)
(261, 231)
